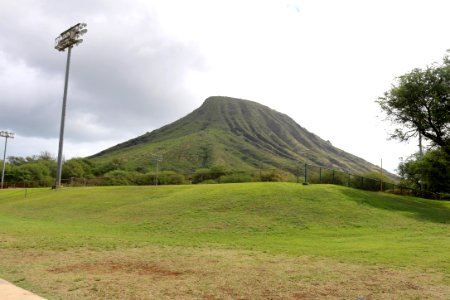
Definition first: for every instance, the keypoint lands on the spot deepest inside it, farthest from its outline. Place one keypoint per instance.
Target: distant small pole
(157, 159)
(157, 167)
(381, 177)
(320, 175)
(420, 157)
(306, 174)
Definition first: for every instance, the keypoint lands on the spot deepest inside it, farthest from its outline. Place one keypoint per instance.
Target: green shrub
(120, 177)
(209, 181)
(272, 175)
(170, 177)
(201, 175)
(236, 177)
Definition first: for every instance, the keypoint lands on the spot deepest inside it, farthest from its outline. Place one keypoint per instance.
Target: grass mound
(265, 221)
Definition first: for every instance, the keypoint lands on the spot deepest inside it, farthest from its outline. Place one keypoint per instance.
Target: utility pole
(157, 159)
(6, 135)
(66, 40)
(381, 177)
(305, 182)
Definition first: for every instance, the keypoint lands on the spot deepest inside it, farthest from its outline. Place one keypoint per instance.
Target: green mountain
(236, 133)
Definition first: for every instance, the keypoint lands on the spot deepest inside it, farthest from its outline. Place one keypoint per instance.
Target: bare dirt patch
(200, 273)
(139, 268)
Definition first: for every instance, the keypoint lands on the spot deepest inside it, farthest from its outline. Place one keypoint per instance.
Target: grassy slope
(235, 241)
(279, 218)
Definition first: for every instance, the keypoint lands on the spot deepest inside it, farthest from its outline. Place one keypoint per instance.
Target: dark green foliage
(236, 177)
(201, 175)
(169, 177)
(273, 175)
(77, 168)
(112, 165)
(121, 177)
(431, 173)
(420, 103)
(38, 170)
(214, 173)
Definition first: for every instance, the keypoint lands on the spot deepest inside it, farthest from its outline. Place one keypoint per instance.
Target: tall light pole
(66, 40)
(6, 135)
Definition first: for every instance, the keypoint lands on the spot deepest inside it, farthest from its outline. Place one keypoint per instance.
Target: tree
(77, 167)
(420, 104)
(431, 172)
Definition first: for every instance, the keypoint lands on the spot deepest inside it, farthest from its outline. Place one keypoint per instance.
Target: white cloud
(146, 63)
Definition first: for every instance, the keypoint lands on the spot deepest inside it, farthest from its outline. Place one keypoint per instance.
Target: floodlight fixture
(66, 40)
(70, 37)
(7, 135)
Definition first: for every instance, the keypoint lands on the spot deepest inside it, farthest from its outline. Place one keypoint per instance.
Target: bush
(169, 177)
(209, 181)
(236, 177)
(272, 175)
(201, 175)
(119, 177)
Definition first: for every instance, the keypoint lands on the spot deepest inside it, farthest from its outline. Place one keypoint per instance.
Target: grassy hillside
(83, 242)
(237, 133)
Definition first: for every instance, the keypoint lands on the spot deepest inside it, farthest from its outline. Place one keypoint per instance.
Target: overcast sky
(144, 64)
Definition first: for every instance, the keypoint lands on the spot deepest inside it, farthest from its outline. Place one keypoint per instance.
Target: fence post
(306, 173)
(320, 174)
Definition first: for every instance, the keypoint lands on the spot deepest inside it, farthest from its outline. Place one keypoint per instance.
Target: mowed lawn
(228, 241)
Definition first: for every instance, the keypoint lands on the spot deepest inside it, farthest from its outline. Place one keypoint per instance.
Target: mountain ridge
(240, 133)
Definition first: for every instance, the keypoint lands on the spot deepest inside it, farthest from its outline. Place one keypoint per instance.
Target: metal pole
(306, 172)
(4, 161)
(381, 178)
(420, 157)
(320, 175)
(63, 117)
(157, 165)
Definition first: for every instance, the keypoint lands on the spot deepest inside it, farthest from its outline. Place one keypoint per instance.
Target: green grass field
(237, 241)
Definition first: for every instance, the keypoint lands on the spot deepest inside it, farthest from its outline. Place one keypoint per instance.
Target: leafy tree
(115, 164)
(16, 160)
(78, 168)
(420, 103)
(431, 173)
(33, 171)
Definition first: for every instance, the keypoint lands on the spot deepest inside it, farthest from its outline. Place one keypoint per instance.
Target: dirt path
(9, 291)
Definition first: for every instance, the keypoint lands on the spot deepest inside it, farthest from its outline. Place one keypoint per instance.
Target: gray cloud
(127, 77)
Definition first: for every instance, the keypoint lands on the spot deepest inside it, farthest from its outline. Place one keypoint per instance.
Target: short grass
(255, 240)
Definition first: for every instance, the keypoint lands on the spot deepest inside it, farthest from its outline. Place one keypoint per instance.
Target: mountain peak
(239, 133)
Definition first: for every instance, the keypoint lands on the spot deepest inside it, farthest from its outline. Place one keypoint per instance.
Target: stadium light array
(7, 135)
(66, 40)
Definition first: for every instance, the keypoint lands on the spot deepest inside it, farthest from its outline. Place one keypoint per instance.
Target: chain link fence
(321, 175)
(305, 174)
